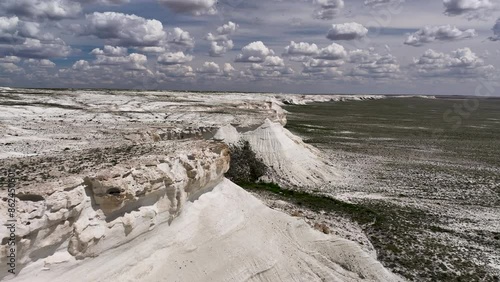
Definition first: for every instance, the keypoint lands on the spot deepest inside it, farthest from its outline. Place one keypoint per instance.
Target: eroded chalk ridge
(138, 193)
(98, 211)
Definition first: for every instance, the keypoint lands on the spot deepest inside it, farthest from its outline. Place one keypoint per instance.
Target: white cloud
(329, 9)
(321, 67)
(496, 31)
(254, 52)
(133, 61)
(81, 65)
(217, 50)
(110, 51)
(301, 49)
(209, 68)
(262, 71)
(39, 10)
(333, 51)
(42, 63)
(176, 71)
(15, 31)
(10, 68)
(124, 30)
(472, 8)
(347, 31)
(10, 59)
(182, 38)
(195, 7)
(220, 43)
(8, 30)
(430, 34)
(462, 63)
(369, 64)
(152, 49)
(174, 58)
(34, 48)
(228, 28)
(228, 69)
(273, 61)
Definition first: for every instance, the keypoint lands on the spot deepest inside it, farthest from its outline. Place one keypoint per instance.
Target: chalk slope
(225, 235)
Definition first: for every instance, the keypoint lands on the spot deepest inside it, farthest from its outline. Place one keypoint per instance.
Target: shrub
(245, 166)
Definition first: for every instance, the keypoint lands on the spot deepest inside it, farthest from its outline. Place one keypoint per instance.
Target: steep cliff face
(97, 211)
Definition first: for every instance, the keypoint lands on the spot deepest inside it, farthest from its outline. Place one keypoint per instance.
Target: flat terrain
(428, 198)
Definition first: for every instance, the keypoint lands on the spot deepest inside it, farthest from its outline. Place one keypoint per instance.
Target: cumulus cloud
(347, 31)
(176, 71)
(496, 31)
(10, 59)
(217, 50)
(182, 38)
(81, 65)
(209, 68)
(369, 64)
(174, 58)
(329, 9)
(430, 34)
(38, 10)
(42, 63)
(110, 67)
(8, 30)
(255, 52)
(34, 48)
(257, 71)
(10, 68)
(321, 67)
(8, 64)
(228, 69)
(228, 28)
(472, 8)
(333, 51)
(300, 51)
(132, 61)
(273, 61)
(220, 42)
(15, 31)
(123, 29)
(462, 63)
(195, 7)
(270, 67)
(110, 51)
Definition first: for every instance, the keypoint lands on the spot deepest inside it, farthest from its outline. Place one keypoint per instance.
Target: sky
(433, 47)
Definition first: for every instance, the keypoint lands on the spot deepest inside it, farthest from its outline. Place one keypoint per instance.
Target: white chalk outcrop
(227, 134)
(290, 161)
(225, 235)
(106, 194)
(85, 215)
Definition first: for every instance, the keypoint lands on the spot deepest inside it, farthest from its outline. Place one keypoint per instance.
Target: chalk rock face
(97, 211)
(224, 235)
(291, 162)
(227, 134)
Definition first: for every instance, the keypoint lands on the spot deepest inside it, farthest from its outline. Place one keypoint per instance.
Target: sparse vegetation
(245, 166)
(424, 167)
